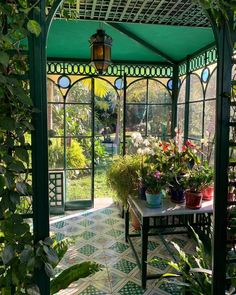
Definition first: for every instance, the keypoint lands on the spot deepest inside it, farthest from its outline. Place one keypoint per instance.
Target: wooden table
(168, 216)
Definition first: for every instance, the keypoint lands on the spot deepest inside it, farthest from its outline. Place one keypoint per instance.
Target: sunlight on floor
(99, 236)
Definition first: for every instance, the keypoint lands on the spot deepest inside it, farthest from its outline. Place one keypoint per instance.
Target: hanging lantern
(100, 44)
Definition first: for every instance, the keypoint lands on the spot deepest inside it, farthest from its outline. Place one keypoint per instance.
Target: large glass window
(148, 108)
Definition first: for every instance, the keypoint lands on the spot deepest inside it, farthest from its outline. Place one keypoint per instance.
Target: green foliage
(122, 176)
(194, 269)
(20, 255)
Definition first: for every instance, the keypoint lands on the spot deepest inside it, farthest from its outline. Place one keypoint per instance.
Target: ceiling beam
(125, 9)
(145, 44)
(140, 10)
(154, 11)
(109, 9)
(93, 8)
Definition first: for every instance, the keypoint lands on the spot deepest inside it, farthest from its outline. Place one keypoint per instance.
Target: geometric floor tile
(114, 233)
(111, 221)
(131, 289)
(91, 290)
(124, 265)
(106, 211)
(59, 236)
(59, 224)
(171, 288)
(120, 274)
(152, 245)
(119, 247)
(86, 222)
(159, 263)
(88, 250)
(87, 235)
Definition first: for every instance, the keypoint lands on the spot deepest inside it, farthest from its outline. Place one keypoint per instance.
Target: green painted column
(37, 58)
(224, 68)
(187, 95)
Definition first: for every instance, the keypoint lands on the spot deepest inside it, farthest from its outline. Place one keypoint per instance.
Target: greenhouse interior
(117, 147)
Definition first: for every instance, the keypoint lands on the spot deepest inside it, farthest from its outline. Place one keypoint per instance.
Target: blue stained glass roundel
(170, 84)
(64, 81)
(119, 83)
(205, 75)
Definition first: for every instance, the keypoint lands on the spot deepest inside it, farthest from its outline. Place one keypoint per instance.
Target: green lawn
(81, 188)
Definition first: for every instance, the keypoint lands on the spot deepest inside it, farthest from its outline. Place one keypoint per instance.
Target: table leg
(126, 224)
(144, 238)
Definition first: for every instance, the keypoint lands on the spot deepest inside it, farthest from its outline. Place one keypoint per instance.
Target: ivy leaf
(26, 255)
(48, 241)
(49, 270)
(7, 254)
(7, 123)
(51, 255)
(15, 198)
(4, 58)
(16, 166)
(20, 228)
(33, 290)
(22, 154)
(2, 183)
(33, 27)
(22, 188)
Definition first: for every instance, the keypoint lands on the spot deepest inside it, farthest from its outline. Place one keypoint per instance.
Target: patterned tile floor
(99, 236)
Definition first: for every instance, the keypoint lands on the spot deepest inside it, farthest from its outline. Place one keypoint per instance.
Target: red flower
(166, 147)
(184, 148)
(190, 144)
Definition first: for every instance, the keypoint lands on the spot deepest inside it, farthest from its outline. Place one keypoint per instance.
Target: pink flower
(184, 148)
(157, 174)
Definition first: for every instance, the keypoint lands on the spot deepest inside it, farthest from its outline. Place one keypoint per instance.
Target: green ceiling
(131, 42)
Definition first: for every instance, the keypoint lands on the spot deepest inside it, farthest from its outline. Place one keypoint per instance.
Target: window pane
(53, 92)
(210, 112)
(157, 93)
(78, 119)
(136, 118)
(137, 91)
(78, 185)
(159, 120)
(181, 96)
(80, 92)
(78, 153)
(211, 86)
(196, 91)
(195, 119)
(55, 119)
(55, 153)
(180, 116)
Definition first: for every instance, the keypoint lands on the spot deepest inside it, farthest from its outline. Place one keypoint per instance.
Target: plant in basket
(195, 182)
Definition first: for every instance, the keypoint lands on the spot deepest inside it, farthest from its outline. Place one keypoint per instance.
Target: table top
(169, 208)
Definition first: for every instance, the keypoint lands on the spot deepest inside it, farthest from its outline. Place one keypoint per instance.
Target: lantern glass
(100, 44)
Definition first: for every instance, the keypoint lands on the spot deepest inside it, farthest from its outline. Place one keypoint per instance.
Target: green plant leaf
(2, 183)
(7, 124)
(49, 270)
(34, 27)
(22, 154)
(7, 254)
(4, 58)
(33, 290)
(22, 188)
(51, 255)
(73, 273)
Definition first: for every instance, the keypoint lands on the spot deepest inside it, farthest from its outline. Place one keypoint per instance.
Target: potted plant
(155, 182)
(195, 182)
(208, 190)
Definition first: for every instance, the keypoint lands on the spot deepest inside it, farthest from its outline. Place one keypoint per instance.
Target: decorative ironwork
(199, 61)
(180, 12)
(117, 70)
(56, 192)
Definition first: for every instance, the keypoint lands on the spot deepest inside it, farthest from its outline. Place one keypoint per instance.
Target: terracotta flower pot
(193, 199)
(208, 193)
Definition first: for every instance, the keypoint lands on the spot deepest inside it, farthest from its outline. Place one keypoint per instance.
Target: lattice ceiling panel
(165, 12)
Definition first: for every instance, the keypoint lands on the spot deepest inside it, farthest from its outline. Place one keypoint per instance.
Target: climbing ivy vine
(19, 255)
